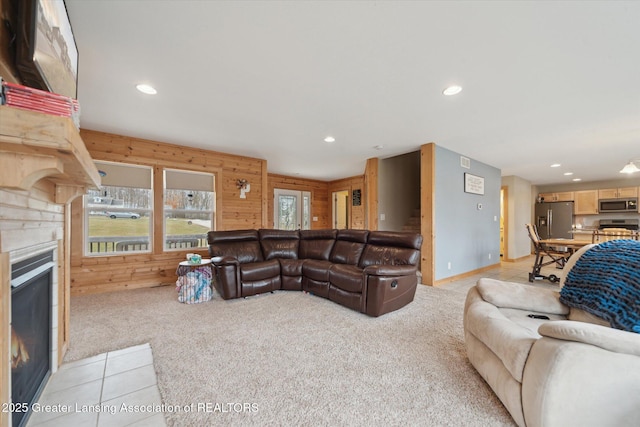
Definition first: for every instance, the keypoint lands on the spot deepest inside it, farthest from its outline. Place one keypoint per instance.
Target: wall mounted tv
(46, 54)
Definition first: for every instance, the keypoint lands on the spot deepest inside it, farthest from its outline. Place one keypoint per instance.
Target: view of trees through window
(188, 218)
(118, 219)
(189, 204)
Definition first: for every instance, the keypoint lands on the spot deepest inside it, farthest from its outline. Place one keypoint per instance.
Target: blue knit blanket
(605, 282)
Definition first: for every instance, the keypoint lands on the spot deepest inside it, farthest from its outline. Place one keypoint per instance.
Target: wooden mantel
(34, 146)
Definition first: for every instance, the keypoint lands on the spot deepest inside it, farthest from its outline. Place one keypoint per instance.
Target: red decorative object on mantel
(27, 98)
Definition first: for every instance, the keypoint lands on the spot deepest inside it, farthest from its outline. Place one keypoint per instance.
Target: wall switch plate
(315, 218)
(382, 217)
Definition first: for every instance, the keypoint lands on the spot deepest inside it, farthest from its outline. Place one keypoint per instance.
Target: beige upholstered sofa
(571, 370)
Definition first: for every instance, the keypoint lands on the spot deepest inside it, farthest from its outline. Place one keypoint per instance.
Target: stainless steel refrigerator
(554, 220)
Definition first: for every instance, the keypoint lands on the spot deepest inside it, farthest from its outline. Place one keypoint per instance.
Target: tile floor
(112, 389)
(92, 391)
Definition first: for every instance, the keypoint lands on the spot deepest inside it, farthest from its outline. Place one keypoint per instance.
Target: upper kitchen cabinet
(585, 202)
(616, 193)
(566, 196)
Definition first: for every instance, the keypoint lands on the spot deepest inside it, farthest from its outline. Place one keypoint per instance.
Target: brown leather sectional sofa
(373, 272)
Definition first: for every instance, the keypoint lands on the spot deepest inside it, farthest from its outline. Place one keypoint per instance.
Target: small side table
(187, 266)
(192, 289)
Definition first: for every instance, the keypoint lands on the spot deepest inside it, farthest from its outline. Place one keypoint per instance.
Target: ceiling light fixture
(146, 89)
(452, 90)
(630, 168)
(378, 147)
(555, 165)
(577, 179)
(568, 173)
(329, 139)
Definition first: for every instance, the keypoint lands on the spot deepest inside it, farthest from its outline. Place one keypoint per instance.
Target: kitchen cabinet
(585, 202)
(566, 196)
(618, 193)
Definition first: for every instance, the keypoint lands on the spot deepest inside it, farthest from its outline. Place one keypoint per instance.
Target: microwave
(618, 205)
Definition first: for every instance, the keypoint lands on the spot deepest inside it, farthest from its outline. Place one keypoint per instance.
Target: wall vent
(465, 162)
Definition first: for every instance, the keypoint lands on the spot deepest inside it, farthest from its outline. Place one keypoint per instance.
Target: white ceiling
(543, 82)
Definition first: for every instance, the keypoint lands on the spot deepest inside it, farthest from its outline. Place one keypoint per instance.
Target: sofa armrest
(225, 260)
(523, 297)
(604, 337)
(389, 270)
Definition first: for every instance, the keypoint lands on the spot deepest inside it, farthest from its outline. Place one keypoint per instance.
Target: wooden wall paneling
(319, 195)
(157, 228)
(356, 213)
(265, 195)
(427, 212)
(106, 273)
(371, 189)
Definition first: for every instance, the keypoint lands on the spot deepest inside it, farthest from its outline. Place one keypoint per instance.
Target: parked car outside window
(114, 215)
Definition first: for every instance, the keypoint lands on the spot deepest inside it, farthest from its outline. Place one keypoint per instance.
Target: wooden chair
(556, 257)
(608, 234)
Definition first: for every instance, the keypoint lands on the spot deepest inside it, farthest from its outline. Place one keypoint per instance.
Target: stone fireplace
(34, 323)
(44, 165)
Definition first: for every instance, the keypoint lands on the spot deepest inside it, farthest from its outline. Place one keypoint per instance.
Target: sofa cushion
(519, 296)
(259, 270)
(349, 246)
(291, 267)
(346, 277)
(240, 244)
(391, 248)
(279, 243)
(316, 244)
(316, 269)
(509, 341)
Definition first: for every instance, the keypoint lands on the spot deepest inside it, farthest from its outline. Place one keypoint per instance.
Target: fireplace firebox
(30, 357)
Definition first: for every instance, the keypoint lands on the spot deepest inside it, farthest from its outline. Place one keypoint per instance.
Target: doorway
(292, 209)
(340, 209)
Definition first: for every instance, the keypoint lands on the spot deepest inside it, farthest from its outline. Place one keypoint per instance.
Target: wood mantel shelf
(34, 146)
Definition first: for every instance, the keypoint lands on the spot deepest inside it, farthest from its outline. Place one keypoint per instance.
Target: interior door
(340, 209)
(292, 209)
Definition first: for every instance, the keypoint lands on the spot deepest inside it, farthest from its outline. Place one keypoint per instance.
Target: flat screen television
(46, 51)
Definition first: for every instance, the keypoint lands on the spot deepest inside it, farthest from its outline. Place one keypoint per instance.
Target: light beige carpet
(290, 358)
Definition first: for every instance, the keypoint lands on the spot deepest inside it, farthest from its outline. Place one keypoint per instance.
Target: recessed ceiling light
(577, 179)
(452, 90)
(378, 147)
(329, 139)
(147, 89)
(556, 165)
(568, 173)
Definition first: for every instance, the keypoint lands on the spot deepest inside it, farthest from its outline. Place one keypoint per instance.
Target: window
(189, 206)
(118, 216)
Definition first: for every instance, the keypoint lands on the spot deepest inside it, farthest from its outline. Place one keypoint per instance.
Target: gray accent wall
(465, 236)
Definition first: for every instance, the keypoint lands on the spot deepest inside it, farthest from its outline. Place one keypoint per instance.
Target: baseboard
(464, 275)
(522, 258)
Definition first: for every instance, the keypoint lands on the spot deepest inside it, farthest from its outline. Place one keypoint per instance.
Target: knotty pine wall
(356, 213)
(320, 205)
(108, 273)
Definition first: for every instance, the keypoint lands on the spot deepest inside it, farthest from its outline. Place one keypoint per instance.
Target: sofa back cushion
(391, 248)
(281, 244)
(349, 246)
(240, 244)
(316, 244)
